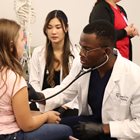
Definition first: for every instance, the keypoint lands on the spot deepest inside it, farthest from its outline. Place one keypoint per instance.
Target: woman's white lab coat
(37, 67)
(121, 102)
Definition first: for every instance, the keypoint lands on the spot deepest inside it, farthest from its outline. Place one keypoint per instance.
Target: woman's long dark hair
(50, 58)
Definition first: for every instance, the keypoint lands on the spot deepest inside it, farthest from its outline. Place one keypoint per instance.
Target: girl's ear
(11, 45)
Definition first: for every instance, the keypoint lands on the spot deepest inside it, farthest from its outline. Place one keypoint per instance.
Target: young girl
(17, 121)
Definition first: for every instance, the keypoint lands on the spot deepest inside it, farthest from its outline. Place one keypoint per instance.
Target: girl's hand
(53, 117)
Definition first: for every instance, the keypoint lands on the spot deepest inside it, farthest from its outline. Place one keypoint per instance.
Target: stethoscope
(81, 73)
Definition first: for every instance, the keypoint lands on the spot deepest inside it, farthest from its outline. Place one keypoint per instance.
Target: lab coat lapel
(109, 88)
(84, 84)
(114, 78)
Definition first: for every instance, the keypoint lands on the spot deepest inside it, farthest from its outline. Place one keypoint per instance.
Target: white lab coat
(121, 102)
(37, 67)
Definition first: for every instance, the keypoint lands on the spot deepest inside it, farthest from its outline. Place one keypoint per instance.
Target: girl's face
(20, 43)
(55, 31)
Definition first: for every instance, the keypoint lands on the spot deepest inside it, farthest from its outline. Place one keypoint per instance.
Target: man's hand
(88, 130)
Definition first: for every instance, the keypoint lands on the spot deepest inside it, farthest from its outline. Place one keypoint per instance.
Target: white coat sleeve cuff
(114, 129)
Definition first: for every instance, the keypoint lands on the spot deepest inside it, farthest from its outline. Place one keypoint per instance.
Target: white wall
(78, 13)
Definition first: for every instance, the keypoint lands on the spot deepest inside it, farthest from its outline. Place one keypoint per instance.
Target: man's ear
(108, 50)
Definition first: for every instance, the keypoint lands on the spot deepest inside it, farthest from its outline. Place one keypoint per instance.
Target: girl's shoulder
(13, 82)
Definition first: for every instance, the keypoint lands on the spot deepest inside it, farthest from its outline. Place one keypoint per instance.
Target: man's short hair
(104, 31)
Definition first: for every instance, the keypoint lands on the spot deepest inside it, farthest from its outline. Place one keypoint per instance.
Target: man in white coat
(108, 95)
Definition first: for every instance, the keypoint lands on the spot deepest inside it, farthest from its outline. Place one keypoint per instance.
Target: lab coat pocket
(121, 105)
(124, 109)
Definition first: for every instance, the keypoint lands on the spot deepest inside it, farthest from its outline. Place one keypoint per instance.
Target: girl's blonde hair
(9, 30)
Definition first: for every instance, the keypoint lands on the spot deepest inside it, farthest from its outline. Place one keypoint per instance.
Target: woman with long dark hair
(51, 63)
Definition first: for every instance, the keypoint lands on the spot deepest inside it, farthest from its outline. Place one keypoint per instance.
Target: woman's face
(55, 31)
(20, 43)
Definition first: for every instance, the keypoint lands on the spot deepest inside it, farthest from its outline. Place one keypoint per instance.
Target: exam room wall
(78, 13)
